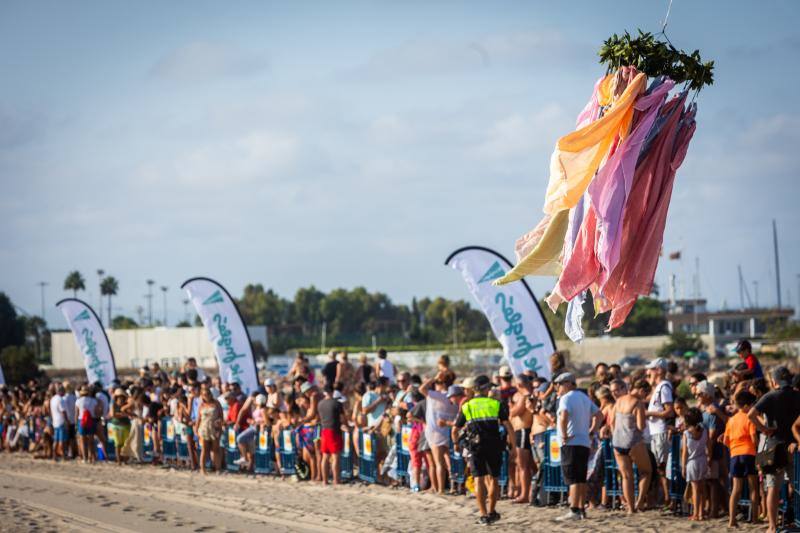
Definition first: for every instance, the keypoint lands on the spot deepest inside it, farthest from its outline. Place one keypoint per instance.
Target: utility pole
(140, 315)
(43, 284)
(777, 263)
(100, 274)
(150, 284)
(164, 290)
(797, 311)
(186, 309)
(324, 333)
(755, 290)
(455, 330)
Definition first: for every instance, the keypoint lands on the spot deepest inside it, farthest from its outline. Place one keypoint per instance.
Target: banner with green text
(92, 340)
(512, 310)
(227, 331)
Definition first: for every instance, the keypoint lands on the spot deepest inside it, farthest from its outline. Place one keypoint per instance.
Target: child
(694, 460)
(740, 437)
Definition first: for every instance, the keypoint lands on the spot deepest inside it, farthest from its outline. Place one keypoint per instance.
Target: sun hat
(468, 383)
(505, 371)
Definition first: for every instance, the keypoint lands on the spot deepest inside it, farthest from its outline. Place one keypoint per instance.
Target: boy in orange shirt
(740, 438)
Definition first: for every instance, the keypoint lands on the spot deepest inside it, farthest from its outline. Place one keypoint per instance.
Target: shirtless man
(308, 430)
(521, 419)
(345, 374)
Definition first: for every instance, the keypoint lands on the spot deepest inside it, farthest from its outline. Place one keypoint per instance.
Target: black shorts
(574, 464)
(522, 438)
(486, 461)
(743, 466)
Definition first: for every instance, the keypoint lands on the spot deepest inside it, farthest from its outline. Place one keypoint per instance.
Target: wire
(666, 18)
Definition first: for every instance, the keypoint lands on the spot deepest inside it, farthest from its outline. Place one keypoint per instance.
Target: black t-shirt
(330, 412)
(366, 373)
(781, 407)
(418, 411)
(329, 371)
(489, 430)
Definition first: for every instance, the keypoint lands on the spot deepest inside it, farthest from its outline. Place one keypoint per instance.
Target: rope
(666, 18)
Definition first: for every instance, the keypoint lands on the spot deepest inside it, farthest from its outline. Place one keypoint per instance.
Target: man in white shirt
(59, 420)
(659, 411)
(191, 364)
(69, 410)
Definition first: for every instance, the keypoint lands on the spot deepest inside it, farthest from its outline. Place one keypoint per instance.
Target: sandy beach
(42, 496)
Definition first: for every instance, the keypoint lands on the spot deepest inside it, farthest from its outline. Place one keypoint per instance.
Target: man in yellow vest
(481, 418)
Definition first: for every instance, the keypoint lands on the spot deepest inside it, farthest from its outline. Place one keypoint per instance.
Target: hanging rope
(666, 18)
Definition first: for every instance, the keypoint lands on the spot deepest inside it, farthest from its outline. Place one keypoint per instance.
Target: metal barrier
(182, 444)
(403, 452)
(346, 459)
(265, 452)
(287, 452)
(231, 449)
(458, 468)
(168, 444)
(551, 466)
(147, 443)
(368, 460)
(677, 485)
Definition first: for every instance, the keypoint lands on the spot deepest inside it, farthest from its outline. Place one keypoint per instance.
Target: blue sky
(359, 143)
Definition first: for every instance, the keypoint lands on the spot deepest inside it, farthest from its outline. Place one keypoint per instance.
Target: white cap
(658, 363)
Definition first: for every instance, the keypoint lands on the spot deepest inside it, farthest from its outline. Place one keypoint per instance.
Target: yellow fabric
(574, 162)
(544, 259)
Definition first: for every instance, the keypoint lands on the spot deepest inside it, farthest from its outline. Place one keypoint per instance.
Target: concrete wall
(136, 347)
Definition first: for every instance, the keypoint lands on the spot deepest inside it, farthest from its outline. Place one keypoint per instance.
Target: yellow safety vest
(481, 408)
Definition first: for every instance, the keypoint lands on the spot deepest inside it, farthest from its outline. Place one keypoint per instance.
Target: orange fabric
(740, 434)
(573, 164)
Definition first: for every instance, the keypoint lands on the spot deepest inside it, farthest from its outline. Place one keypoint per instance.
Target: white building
(134, 348)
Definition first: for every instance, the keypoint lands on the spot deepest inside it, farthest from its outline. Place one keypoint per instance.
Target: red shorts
(331, 441)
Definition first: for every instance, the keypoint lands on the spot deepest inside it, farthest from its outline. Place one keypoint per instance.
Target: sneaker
(494, 516)
(240, 461)
(570, 516)
(483, 521)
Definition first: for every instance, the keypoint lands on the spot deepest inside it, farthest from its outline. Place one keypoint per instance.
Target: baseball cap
(658, 363)
(305, 387)
(564, 377)
(706, 388)
(455, 390)
(543, 387)
(468, 383)
(505, 371)
(269, 382)
(482, 382)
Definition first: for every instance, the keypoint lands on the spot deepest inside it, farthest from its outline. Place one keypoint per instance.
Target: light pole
(186, 309)
(43, 284)
(150, 284)
(164, 290)
(100, 273)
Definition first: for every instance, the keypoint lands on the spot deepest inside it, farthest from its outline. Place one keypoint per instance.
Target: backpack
(86, 420)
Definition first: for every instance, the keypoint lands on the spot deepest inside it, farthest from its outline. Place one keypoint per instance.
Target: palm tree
(74, 283)
(109, 287)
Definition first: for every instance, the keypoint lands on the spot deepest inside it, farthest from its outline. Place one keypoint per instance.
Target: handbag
(772, 457)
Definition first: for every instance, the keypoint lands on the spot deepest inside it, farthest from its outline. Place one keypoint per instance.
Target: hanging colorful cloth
(574, 162)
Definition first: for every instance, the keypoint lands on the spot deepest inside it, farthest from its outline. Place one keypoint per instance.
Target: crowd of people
(736, 433)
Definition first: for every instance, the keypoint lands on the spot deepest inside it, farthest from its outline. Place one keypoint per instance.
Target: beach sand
(42, 496)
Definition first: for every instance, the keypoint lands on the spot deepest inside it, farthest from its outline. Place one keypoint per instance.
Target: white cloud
(207, 61)
(256, 155)
(519, 135)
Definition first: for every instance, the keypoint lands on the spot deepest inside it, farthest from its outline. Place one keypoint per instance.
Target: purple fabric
(611, 186)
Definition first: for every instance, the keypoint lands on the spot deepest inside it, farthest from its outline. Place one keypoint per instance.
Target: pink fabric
(612, 185)
(646, 212)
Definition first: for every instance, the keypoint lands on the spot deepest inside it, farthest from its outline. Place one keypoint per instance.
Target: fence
(551, 467)
(265, 452)
(368, 458)
(346, 459)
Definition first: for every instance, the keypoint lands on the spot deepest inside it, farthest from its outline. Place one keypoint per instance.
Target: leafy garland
(656, 58)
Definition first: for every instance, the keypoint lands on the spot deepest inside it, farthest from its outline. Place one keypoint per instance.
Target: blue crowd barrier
(677, 485)
(182, 444)
(403, 452)
(148, 448)
(169, 449)
(502, 480)
(265, 452)
(368, 460)
(458, 468)
(346, 458)
(551, 466)
(287, 451)
(231, 449)
(796, 505)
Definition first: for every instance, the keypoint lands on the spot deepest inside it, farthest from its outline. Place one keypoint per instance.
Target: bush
(19, 364)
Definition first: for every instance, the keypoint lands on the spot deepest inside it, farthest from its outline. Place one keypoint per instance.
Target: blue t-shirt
(579, 409)
(375, 416)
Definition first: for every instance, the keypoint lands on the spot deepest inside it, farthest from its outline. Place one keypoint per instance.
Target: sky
(346, 144)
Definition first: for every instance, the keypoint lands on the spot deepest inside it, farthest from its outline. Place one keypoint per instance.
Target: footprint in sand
(128, 509)
(109, 504)
(201, 529)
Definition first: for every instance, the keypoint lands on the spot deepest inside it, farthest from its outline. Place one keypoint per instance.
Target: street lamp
(164, 290)
(150, 284)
